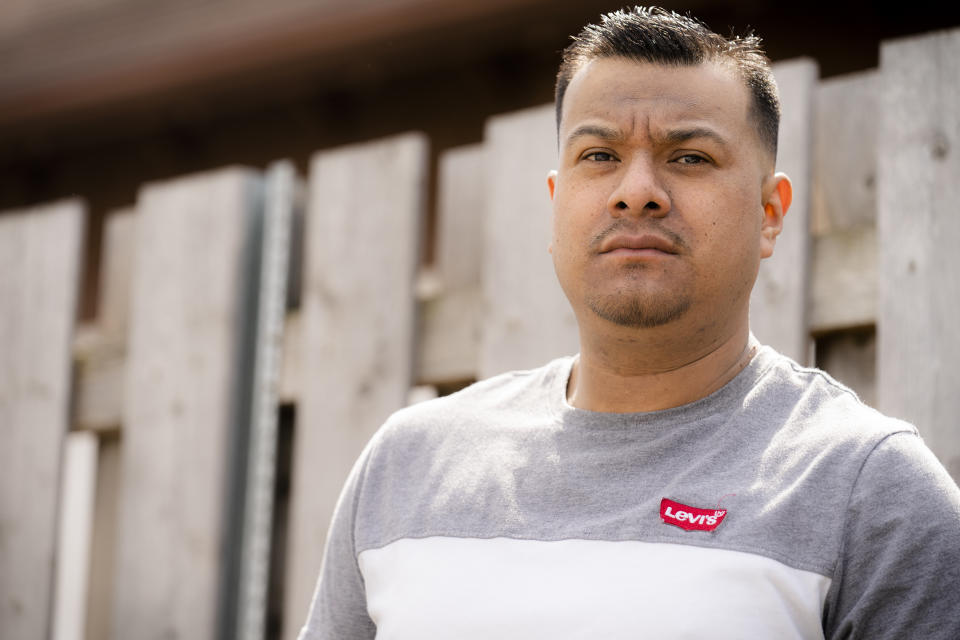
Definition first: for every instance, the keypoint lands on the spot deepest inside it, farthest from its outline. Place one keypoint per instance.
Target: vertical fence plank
(179, 419)
(778, 305)
(115, 273)
(843, 278)
(460, 205)
(361, 252)
(39, 277)
(845, 153)
(919, 232)
(528, 320)
(100, 369)
(450, 331)
(843, 274)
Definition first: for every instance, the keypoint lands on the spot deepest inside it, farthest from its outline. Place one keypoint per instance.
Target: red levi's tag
(691, 518)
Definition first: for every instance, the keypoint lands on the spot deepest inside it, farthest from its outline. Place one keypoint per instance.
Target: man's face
(661, 192)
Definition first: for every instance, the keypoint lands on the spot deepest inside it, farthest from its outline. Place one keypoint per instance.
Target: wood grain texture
(191, 239)
(527, 319)
(98, 390)
(918, 224)
(116, 271)
(362, 228)
(100, 347)
(449, 332)
(843, 279)
(778, 305)
(461, 197)
(39, 277)
(846, 129)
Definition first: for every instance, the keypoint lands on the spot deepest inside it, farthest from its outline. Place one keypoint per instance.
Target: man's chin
(638, 313)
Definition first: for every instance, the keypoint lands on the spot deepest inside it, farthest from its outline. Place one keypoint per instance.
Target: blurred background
(98, 97)
(236, 235)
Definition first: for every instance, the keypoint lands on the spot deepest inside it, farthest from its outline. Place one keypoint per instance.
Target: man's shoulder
(493, 399)
(816, 397)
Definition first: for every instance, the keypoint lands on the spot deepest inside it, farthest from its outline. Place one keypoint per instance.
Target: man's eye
(600, 156)
(691, 158)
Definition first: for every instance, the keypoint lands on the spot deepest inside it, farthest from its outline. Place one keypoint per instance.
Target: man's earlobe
(552, 182)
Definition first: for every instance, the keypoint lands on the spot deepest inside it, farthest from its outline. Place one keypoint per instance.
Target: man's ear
(778, 194)
(552, 186)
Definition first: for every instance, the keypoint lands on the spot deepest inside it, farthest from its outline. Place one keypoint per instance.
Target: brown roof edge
(147, 55)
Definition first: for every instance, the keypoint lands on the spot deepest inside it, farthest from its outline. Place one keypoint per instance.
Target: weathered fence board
(460, 205)
(527, 319)
(39, 267)
(778, 305)
(190, 253)
(845, 153)
(113, 311)
(101, 371)
(450, 320)
(362, 228)
(843, 279)
(919, 232)
(100, 349)
(450, 330)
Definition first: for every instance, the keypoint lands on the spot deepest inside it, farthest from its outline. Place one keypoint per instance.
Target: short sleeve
(898, 575)
(339, 607)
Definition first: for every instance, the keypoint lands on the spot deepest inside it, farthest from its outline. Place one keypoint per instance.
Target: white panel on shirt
(448, 588)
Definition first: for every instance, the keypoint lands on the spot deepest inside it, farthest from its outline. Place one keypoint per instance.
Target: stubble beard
(637, 309)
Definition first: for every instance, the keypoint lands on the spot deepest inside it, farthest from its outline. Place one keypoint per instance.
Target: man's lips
(629, 243)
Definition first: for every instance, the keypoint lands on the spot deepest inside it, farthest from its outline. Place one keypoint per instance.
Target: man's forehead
(608, 88)
(625, 97)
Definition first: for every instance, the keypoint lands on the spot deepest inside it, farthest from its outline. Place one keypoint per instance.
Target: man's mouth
(638, 244)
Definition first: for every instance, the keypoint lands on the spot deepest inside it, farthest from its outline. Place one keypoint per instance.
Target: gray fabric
(810, 477)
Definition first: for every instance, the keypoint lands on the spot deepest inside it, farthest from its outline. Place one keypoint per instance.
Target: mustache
(622, 225)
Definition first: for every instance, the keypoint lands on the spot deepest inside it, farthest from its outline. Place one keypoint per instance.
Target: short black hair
(652, 34)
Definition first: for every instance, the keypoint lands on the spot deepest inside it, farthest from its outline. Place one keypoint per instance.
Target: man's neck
(653, 372)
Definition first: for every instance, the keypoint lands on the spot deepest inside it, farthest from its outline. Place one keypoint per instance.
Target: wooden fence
(138, 453)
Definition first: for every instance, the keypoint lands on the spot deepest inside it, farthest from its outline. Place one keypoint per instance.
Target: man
(675, 479)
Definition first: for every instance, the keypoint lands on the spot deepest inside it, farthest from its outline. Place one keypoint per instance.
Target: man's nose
(640, 191)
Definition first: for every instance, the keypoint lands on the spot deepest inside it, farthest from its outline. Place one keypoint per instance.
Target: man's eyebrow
(595, 131)
(676, 136)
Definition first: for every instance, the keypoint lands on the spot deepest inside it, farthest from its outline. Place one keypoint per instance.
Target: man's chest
(471, 588)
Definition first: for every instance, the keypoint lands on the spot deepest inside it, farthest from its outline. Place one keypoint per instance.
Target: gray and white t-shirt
(778, 507)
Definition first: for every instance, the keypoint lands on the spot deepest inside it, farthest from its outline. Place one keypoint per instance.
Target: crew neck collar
(727, 397)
